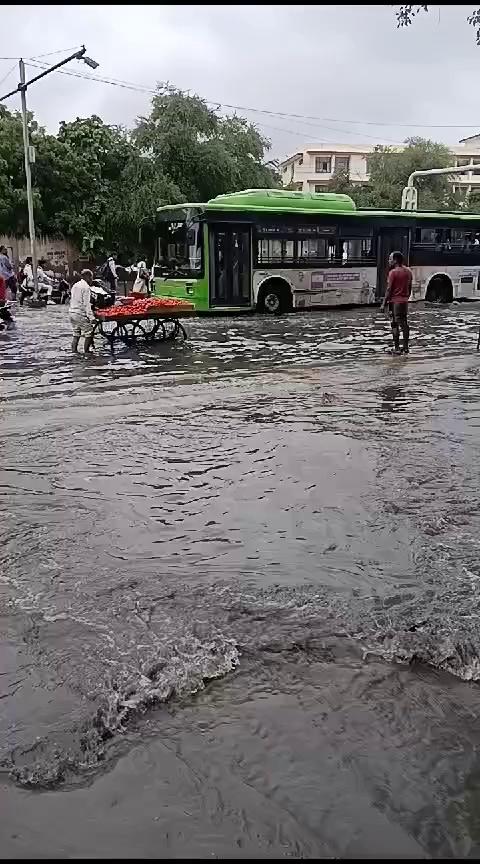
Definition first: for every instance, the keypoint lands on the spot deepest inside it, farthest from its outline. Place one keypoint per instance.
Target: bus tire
(440, 290)
(274, 297)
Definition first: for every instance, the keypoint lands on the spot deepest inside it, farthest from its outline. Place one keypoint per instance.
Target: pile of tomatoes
(144, 307)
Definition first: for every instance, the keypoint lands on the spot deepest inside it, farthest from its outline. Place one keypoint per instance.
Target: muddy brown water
(240, 591)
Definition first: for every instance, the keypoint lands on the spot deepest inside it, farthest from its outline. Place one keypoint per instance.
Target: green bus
(273, 250)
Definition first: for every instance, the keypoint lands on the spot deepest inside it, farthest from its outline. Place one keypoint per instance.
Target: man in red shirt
(397, 296)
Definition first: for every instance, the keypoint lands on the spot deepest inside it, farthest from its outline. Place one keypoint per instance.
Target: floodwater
(240, 585)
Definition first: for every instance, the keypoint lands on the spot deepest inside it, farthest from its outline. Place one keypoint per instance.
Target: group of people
(397, 295)
(22, 284)
(110, 274)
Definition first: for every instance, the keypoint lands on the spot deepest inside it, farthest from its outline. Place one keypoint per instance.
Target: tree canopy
(97, 184)
(389, 170)
(407, 13)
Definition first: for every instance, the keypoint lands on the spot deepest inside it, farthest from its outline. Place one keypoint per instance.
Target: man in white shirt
(81, 313)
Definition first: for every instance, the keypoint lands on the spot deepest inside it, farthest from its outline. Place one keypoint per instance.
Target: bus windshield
(180, 252)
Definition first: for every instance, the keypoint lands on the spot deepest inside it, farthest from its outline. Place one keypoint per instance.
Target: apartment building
(310, 170)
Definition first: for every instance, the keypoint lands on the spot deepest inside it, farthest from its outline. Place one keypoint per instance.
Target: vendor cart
(127, 324)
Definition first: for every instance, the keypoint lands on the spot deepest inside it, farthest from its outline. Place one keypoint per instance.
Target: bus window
(427, 235)
(180, 249)
(275, 251)
(308, 249)
(356, 250)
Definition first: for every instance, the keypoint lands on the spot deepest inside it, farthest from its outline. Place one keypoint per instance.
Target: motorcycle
(52, 291)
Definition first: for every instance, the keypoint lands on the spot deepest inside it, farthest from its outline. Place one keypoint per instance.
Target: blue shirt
(6, 269)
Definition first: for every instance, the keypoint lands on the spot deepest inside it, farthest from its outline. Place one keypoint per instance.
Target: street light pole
(22, 89)
(28, 175)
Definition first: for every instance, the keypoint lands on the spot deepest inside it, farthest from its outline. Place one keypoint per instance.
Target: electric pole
(28, 175)
(22, 89)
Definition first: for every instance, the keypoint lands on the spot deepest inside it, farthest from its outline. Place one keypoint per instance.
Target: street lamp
(29, 154)
(92, 63)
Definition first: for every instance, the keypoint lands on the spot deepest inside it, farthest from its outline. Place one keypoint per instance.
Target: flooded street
(240, 585)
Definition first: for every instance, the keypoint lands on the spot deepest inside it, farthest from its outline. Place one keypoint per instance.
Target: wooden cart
(153, 325)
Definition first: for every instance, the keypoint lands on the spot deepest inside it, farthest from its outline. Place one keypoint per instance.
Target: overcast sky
(334, 63)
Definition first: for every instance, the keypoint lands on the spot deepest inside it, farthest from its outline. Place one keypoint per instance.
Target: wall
(62, 253)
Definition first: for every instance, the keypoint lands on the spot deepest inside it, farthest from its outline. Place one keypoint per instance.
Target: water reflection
(393, 399)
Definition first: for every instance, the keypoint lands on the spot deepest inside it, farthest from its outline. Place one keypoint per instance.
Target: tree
(406, 14)
(203, 153)
(98, 184)
(340, 182)
(97, 154)
(13, 196)
(389, 171)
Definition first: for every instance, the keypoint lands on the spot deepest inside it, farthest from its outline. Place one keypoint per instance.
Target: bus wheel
(440, 290)
(274, 297)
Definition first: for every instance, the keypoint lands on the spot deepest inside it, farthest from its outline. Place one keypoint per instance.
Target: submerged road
(240, 584)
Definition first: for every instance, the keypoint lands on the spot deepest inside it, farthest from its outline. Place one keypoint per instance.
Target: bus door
(230, 265)
(389, 240)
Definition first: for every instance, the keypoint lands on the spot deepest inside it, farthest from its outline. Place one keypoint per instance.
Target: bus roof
(306, 203)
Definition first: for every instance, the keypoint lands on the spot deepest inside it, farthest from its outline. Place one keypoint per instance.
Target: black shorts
(398, 313)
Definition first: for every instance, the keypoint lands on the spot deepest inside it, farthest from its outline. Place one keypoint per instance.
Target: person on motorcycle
(26, 279)
(82, 317)
(45, 278)
(27, 282)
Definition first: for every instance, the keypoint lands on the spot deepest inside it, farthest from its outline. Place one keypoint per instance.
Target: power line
(60, 51)
(142, 88)
(8, 73)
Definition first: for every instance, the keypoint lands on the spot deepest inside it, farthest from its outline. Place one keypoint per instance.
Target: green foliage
(390, 170)
(406, 14)
(202, 153)
(98, 183)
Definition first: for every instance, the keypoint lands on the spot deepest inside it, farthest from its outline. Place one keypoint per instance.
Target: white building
(312, 168)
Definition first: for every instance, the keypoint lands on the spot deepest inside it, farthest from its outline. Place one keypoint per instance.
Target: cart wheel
(107, 328)
(170, 329)
(161, 333)
(146, 329)
(122, 334)
(181, 329)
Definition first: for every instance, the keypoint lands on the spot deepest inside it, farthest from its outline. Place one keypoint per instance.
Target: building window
(323, 164)
(463, 161)
(342, 163)
(320, 187)
(300, 161)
